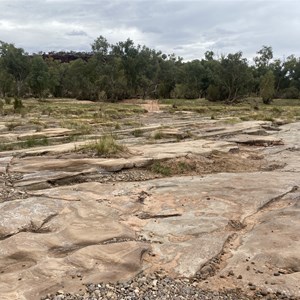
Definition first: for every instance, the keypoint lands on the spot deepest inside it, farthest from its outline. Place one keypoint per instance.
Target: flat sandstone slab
(185, 220)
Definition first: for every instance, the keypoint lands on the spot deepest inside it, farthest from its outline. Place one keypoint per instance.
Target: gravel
(158, 286)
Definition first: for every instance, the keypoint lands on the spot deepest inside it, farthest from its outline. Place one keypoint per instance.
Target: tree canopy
(125, 70)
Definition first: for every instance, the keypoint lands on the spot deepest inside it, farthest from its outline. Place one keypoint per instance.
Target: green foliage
(235, 76)
(213, 93)
(112, 72)
(1, 107)
(15, 63)
(18, 105)
(267, 89)
(7, 100)
(39, 77)
(263, 58)
(30, 142)
(34, 142)
(79, 126)
(290, 93)
(6, 82)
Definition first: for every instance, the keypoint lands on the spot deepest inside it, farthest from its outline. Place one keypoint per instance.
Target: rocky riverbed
(212, 214)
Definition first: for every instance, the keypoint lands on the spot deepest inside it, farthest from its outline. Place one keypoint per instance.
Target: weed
(29, 143)
(83, 128)
(72, 138)
(112, 113)
(131, 123)
(159, 168)
(12, 125)
(137, 133)
(33, 142)
(185, 167)
(158, 135)
(231, 121)
(37, 122)
(47, 111)
(105, 146)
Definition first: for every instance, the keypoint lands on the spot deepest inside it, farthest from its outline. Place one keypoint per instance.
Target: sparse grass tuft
(173, 167)
(12, 125)
(159, 168)
(105, 146)
(137, 132)
(158, 135)
(33, 142)
(30, 142)
(80, 126)
(231, 121)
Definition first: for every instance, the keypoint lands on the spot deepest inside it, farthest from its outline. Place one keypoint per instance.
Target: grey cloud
(188, 28)
(77, 33)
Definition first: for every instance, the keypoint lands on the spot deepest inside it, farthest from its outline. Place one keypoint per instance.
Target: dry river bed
(223, 225)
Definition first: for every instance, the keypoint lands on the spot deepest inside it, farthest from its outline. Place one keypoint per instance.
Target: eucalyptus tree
(190, 84)
(39, 77)
(235, 76)
(16, 63)
(6, 82)
(267, 87)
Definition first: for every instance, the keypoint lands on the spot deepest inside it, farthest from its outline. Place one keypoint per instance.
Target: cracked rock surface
(74, 227)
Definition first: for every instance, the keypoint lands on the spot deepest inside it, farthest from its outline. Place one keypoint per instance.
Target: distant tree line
(125, 70)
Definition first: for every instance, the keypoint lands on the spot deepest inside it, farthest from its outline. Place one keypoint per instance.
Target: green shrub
(290, 93)
(213, 93)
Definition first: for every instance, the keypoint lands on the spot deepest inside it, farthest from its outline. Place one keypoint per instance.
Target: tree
(168, 74)
(190, 80)
(235, 76)
(148, 67)
(211, 78)
(101, 46)
(16, 63)
(267, 87)
(264, 57)
(38, 77)
(280, 74)
(6, 82)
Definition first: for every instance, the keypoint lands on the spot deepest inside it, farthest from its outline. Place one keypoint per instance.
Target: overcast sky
(186, 28)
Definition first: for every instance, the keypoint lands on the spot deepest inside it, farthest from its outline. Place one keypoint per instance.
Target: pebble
(158, 286)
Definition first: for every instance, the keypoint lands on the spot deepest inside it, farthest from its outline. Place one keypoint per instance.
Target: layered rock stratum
(70, 222)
